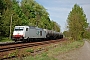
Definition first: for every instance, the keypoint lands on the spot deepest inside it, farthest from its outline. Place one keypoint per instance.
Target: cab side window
(26, 29)
(40, 33)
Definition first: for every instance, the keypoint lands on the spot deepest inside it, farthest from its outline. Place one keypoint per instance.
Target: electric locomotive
(27, 33)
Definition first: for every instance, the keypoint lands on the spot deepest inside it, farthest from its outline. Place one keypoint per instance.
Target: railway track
(5, 49)
(10, 43)
(14, 46)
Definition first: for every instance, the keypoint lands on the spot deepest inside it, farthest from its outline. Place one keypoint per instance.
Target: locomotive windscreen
(19, 28)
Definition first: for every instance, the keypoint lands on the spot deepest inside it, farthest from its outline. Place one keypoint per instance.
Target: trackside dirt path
(82, 53)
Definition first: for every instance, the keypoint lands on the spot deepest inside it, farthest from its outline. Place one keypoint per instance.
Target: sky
(59, 9)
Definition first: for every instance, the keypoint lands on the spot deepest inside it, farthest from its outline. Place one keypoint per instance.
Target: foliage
(4, 39)
(66, 33)
(77, 22)
(87, 33)
(55, 26)
(26, 12)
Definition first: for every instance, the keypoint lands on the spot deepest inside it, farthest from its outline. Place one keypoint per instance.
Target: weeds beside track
(7, 48)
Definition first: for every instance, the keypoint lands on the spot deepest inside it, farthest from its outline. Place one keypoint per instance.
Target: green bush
(5, 39)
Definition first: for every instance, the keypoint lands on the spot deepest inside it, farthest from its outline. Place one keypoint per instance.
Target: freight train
(28, 33)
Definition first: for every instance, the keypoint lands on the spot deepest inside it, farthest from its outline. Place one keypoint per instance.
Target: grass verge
(56, 50)
(5, 39)
(43, 56)
(65, 48)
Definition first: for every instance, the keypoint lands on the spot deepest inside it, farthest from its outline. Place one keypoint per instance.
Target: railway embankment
(52, 51)
(46, 51)
(23, 49)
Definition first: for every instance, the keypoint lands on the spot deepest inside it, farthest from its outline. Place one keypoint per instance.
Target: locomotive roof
(32, 27)
(26, 26)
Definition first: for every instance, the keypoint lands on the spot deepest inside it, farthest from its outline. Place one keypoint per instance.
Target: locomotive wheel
(28, 39)
(15, 40)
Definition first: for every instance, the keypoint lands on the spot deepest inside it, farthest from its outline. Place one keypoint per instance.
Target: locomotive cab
(19, 33)
(25, 33)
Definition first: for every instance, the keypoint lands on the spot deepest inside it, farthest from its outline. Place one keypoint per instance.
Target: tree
(28, 13)
(87, 33)
(27, 7)
(17, 9)
(55, 26)
(11, 8)
(5, 19)
(36, 13)
(2, 7)
(77, 22)
(66, 33)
